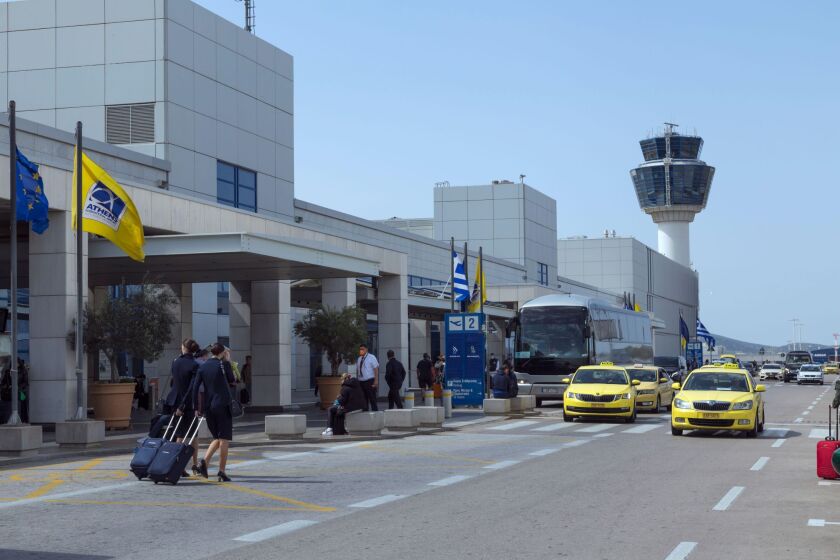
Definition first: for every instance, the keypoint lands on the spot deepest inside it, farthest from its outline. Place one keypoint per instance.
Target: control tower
(672, 186)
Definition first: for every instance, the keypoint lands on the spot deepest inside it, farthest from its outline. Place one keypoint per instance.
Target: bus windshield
(552, 333)
(798, 358)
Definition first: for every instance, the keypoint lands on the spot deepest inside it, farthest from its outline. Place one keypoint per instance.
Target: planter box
(284, 426)
(496, 406)
(365, 423)
(111, 403)
(328, 389)
(402, 419)
(430, 416)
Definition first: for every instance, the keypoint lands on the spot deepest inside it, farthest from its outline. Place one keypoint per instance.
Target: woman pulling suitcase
(215, 376)
(179, 401)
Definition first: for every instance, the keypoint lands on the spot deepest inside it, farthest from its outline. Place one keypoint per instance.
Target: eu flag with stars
(32, 203)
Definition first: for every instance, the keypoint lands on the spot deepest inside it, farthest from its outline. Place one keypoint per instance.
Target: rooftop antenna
(249, 15)
(522, 179)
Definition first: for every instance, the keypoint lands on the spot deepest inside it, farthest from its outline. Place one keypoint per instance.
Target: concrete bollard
(447, 403)
(429, 397)
(408, 400)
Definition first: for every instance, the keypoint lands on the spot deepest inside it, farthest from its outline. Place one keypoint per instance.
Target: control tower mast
(672, 186)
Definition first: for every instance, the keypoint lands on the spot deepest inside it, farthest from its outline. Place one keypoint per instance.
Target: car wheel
(658, 405)
(799, 383)
(567, 418)
(539, 402)
(632, 418)
(822, 383)
(754, 431)
(676, 431)
(763, 420)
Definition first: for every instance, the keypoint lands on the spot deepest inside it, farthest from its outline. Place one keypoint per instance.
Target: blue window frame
(236, 186)
(543, 271)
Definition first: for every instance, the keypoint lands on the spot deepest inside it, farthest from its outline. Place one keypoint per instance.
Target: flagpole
(452, 274)
(14, 418)
(481, 288)
(81, 411)
(466, 276)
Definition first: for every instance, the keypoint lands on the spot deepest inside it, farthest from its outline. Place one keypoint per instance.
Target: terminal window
(543, 272)
(236, 186)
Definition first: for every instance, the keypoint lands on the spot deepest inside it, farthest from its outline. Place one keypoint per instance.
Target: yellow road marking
(89, 465)
(173, 504)
(237, 488)
(44, 489)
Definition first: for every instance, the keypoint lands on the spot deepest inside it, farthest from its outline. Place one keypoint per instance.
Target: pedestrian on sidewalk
(440, 373)
(394, 377)
(23, 389)
(179, 401)
(367, 372)
(245, 393)
(425, 378)
(215, 376)
(836, 402)
(504, 387)
(351, 397)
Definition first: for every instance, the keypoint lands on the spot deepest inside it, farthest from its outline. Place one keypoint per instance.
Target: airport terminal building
(195, 118)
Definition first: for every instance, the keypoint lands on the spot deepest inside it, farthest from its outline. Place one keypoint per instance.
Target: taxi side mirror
(760, 388)
(565, 381)
(663, 380)
(635, 382)
(675, 386)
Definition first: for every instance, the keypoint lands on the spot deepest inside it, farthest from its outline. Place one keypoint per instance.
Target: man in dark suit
(394, 377)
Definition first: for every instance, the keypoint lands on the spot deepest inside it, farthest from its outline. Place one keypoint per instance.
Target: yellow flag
(479, 295)
(637, 308)
(107, 210)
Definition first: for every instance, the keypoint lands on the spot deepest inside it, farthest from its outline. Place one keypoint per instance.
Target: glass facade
(543, 273)
(689, 184)
(236, 186)
(682, 147)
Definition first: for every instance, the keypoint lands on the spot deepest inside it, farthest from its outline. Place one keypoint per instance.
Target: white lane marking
(595, 428)
(666, 416)
(806, 413)
(63, 495)
(818, 433)
(816, 523)
(798, 420)
(276, 531)
(815, 402)
(373, 502)
(513, 425)
(450, 480)
(604, 435)
(681, 551)
(778, 443)
(462, 423)
(246, 464)
(811, 407)
(827, 483)
(553, 427)
(760, 464)
(778, 384)
(544, 452)
(501, 465)
(643, 429)
(728, 498)
(576, 443)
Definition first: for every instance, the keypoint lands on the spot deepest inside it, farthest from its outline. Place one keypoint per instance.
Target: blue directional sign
(465, 358)
(694, 352)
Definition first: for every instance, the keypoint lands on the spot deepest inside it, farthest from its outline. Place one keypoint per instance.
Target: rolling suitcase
(173, 456)
(157, 424)
(147, 450)
(826, 448)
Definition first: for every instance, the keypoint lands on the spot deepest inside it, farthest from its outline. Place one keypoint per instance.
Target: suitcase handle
(836, 422)
(197, 427)
(172, 438)
(171, 418)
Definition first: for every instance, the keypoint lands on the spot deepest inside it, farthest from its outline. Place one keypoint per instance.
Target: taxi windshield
(605, 376)
(642, 374)
(735, 382)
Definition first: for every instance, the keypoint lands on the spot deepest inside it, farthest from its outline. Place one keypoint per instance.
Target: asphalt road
(520, 488)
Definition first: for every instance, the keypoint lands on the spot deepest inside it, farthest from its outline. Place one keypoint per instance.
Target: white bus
(556, 334)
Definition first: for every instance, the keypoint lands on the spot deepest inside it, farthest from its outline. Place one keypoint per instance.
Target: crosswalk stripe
(595, 428)
(513, 425)
(643, 429)
(501, 465)
(544, 452)
(818, 433)
(553, 427)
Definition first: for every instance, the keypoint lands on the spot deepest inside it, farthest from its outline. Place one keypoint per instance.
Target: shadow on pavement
(9, 554)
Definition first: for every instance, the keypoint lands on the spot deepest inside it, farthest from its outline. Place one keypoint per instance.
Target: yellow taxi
(831, 367)
(654, 390)
(718, 398)
(603, 390)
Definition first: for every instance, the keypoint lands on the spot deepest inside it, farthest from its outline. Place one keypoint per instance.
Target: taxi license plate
(551, 390)
(710, 415)
(597, 405)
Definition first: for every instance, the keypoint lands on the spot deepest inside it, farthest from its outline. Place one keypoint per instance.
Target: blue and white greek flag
(703, 332)
(460, 286)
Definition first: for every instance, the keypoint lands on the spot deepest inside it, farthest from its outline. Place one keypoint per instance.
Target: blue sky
(391, 97)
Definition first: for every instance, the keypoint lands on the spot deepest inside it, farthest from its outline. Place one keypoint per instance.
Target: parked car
(771, 371)
(831, 367)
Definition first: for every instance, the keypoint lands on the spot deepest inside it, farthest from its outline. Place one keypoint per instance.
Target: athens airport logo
(104, 206)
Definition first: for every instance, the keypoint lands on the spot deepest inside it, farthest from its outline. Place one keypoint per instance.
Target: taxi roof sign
(607, 364)
(731, 366)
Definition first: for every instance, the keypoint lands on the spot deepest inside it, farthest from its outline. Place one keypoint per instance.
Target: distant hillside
(740, 347)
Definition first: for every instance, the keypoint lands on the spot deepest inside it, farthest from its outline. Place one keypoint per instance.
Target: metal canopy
(224, 257)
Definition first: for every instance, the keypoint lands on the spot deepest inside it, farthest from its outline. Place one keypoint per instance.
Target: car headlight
(646, 392)
(570, 395)
(622, 396)
(679, 403)
(745, 405)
